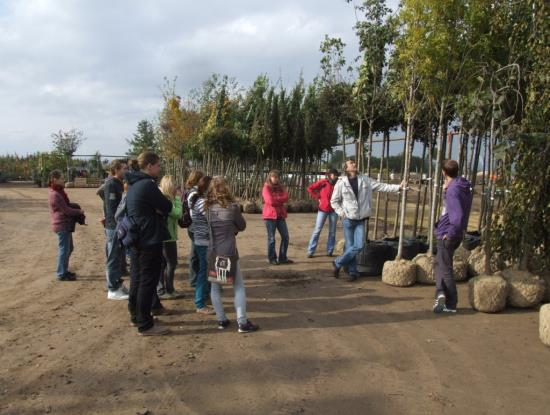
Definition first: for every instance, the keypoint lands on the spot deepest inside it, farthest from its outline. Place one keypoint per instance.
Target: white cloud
(96, 66)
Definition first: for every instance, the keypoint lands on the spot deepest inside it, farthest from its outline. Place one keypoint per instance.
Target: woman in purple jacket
(63, 218)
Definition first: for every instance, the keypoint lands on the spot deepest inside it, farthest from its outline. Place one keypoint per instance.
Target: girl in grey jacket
(225, 220)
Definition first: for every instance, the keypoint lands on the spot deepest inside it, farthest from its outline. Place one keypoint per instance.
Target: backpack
(185, 220)
(127, 230)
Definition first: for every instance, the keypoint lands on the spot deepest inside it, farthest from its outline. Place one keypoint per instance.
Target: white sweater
(346, 205)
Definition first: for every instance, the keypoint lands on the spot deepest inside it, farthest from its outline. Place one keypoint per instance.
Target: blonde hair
(168, 186)
(218, 193)
(194, 178)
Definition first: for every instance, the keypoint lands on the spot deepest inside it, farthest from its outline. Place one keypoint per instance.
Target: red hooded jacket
(321, 190)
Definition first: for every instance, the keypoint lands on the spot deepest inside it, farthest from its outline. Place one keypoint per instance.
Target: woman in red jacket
(274, 214)
(63, 218)
(321, 190)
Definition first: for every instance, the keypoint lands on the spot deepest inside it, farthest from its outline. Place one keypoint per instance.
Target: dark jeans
(123, 259)
(280, 225)
(170, 255)
(113, 252)
(443, 268)
(145, 264)
(193, 261)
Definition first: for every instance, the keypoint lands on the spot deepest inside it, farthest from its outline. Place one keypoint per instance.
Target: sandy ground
(326, 346)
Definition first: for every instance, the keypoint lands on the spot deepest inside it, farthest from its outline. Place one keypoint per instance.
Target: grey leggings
(240, 298)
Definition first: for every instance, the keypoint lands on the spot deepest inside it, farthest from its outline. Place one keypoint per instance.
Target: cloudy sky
(97, 65)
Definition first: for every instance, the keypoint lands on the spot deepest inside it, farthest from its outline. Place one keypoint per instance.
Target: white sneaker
(439, 304)
(124, 289)
(117, 295)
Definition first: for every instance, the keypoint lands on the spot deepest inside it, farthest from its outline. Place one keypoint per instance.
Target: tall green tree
(144, 139)
(375, 31)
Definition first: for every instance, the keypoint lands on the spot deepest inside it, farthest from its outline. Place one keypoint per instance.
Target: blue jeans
(354, 235)
(66, 247)
(113, 266)
(331, 241)
(239, 301)
(202, 287)
(280, 225)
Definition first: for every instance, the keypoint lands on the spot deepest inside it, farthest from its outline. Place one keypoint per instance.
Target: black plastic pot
(471, 240)
(411, 247)
(371, 260)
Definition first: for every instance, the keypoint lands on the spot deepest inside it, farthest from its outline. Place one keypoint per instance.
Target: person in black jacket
(112, 194)
(148, 207)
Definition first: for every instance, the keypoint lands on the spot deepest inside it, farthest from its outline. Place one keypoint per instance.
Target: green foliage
(67, 142)
(143, 139)
(521, 229)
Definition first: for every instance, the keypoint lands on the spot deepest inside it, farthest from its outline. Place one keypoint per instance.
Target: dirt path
(326, 346)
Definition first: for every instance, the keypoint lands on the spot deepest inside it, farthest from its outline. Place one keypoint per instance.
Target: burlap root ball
(399, 273)
(340, 246)
(249, 207)
(526, 289)
(488, 293)
(546, 298)
(461, 254)
(544, 324)
(424, 269)
(476, 262)
(460, 270)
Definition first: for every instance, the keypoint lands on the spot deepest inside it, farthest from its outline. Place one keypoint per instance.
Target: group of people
(208, 210)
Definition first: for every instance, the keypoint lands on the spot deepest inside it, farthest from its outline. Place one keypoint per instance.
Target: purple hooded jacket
(458, 201)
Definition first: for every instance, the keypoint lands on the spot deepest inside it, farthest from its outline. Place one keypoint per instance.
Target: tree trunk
(437, 176)
(387, 179)
(415, 227)
(369, 154)
(359, 148)
(397, 210)
(378, 193)
(343, 143)
(406, 168)
(491, 194)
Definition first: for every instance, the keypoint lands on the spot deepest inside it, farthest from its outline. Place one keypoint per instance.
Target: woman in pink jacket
(63, 218)
(274, 214)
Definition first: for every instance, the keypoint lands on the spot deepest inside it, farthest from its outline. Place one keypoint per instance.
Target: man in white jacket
(351, 200)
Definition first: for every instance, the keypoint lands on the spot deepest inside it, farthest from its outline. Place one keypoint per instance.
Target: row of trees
(479, 66)
(38, 165)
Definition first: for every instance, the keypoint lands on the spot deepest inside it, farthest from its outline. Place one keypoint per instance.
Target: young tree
(376, 32)
(336, 90)
(143, 139)
(66, 143)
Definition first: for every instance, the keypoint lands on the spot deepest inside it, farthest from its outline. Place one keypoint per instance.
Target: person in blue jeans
(351, 200)
(112, 196)
(201, 235)
(321, 190)
(63, 215)
(274, 214)
(191, 186)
